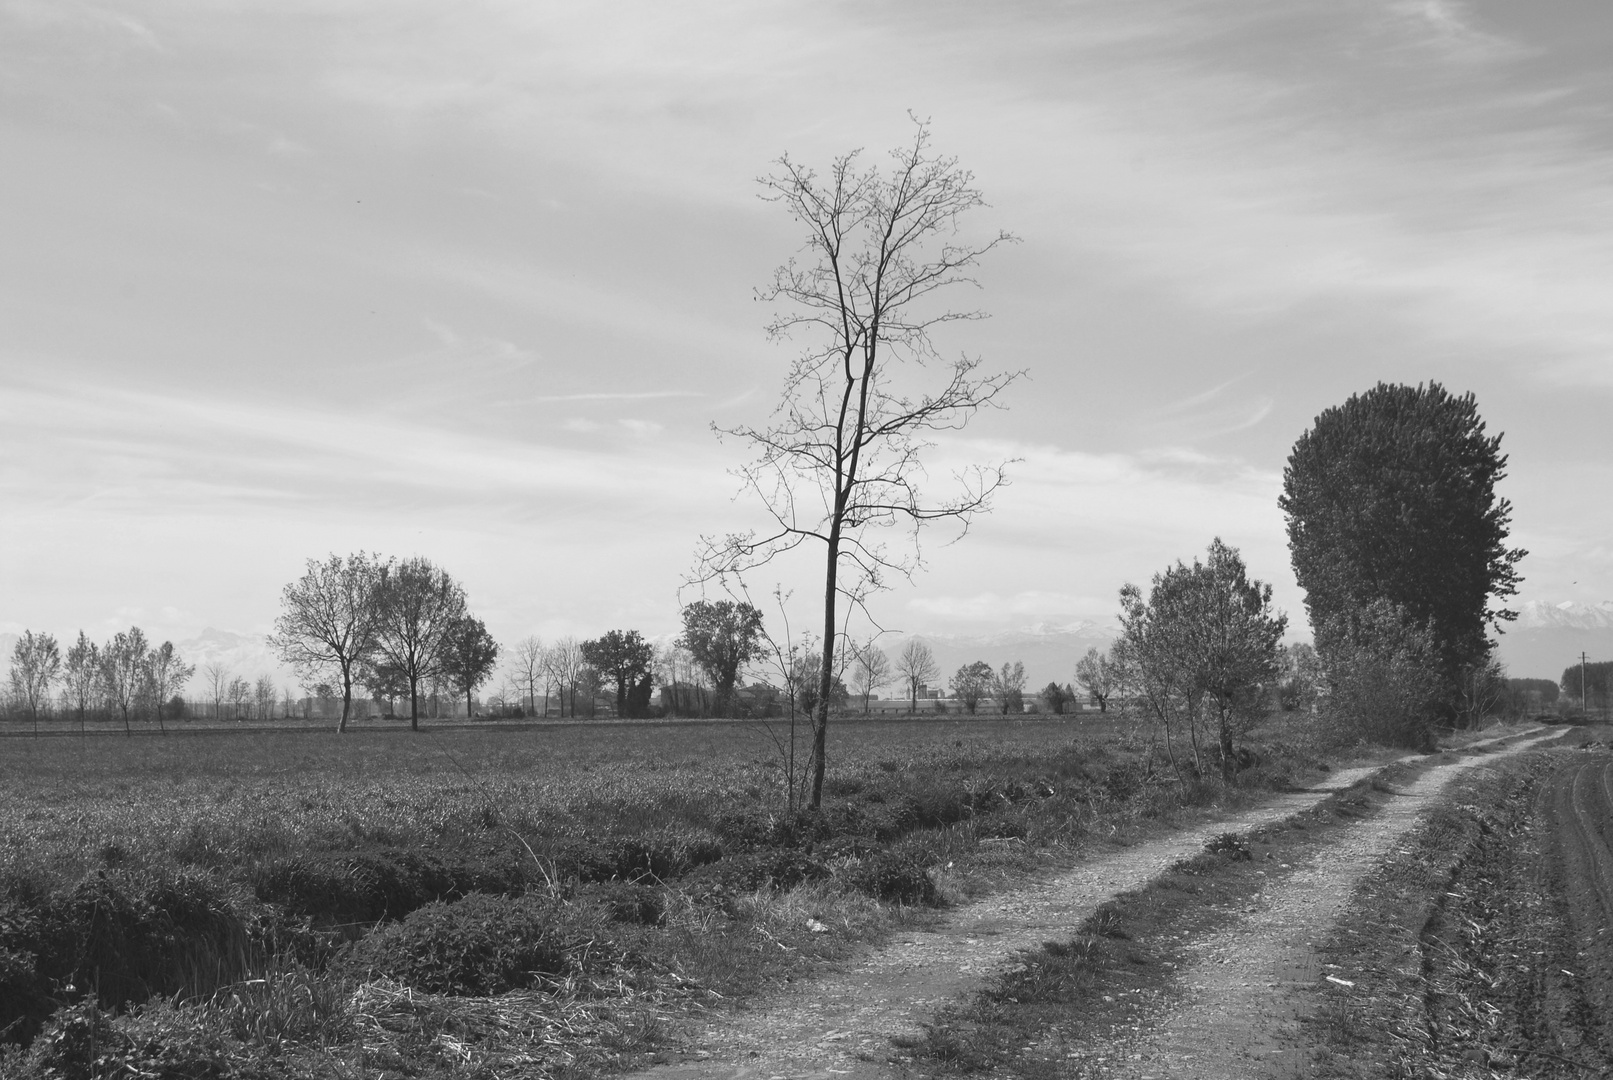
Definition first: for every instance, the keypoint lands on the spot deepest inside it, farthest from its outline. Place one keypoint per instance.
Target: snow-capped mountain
(1547, 638)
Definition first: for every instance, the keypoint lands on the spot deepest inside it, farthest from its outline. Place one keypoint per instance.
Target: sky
(474, 281)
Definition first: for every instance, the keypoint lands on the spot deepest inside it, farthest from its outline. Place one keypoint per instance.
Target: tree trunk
(820, 719)
(467, 704)
(414, 706)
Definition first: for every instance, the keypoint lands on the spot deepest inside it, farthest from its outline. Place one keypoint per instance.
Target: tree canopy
(1205, 647)
(722, 636)
(624, 657)
(1391, 496)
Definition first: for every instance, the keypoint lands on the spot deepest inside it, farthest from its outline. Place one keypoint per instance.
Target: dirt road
(844, 1023)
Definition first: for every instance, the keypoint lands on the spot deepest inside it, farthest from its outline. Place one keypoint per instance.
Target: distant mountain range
(1048, 651)
(1546, 638)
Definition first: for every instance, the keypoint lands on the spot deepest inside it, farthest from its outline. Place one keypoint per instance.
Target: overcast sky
(472, 280)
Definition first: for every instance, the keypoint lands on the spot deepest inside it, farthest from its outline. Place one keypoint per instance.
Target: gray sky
(471, 281)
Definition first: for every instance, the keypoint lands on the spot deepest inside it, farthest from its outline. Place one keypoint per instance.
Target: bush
(892, 877)
(481, 945)
(162, 1042)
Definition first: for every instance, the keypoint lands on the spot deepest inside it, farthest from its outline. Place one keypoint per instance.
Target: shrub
(480, 945)
(893, 877)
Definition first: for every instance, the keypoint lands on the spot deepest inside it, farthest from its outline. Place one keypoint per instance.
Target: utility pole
(1582, 684)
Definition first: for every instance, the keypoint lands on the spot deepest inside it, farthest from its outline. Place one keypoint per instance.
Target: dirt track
(843, 1023)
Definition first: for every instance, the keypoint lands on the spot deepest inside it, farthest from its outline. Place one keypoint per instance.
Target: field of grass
(459, 901)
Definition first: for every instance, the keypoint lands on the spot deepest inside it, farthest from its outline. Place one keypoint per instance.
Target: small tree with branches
(842, 458)
(918, 668)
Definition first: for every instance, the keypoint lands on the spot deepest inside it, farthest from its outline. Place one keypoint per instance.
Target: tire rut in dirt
(1579, 808)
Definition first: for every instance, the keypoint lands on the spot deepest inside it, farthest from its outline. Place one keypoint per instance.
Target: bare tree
(166, 673)
(216, 677)
(870, 670)
(240, 693)
(860, 406)
(528, 664)
(263, 695)
(36, 661)
(328, 621)
(420, 605)
(83, 674)
(1008, 687)
(917, 668)
(123, 670)
(565, 663)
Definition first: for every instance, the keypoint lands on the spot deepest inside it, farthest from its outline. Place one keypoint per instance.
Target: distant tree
(469, 658)
(529, 669)
(917, 668)
(1096, 675)
(123, 670)
(263, 696)
(419, 606)
(83, 674)
(1205, 642)
(565, 663)
(1523, 698)
(329, 619)
(807, 681)
(383, 680)
(1391, 496)
(870, 670)
(843, 456)
(36, 662)
(166, 673)
(239, 693)
(722, 636)
(622, 657)
(1300, 678)
(971, 683)
(1008, 687)
(1584, 684)
(217, 680)
(1055, 698)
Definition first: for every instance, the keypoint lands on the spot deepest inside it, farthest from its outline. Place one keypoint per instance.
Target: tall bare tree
(565, 662)
(918, 668)
(842, 457)
(123, 670)
(528, 664)
(166, 673)
(420, 605)
(239, 693)
(36, 661)
(217, 679)
(328, 621)
(83, 674)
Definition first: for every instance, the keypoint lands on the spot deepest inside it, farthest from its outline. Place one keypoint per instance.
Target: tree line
(124, 676)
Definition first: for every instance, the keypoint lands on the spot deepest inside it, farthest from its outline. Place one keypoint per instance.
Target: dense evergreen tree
(1391, 496)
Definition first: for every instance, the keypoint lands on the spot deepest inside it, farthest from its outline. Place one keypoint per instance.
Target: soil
(1237, 1016)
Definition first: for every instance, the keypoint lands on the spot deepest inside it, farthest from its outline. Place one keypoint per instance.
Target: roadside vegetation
(322, 906)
